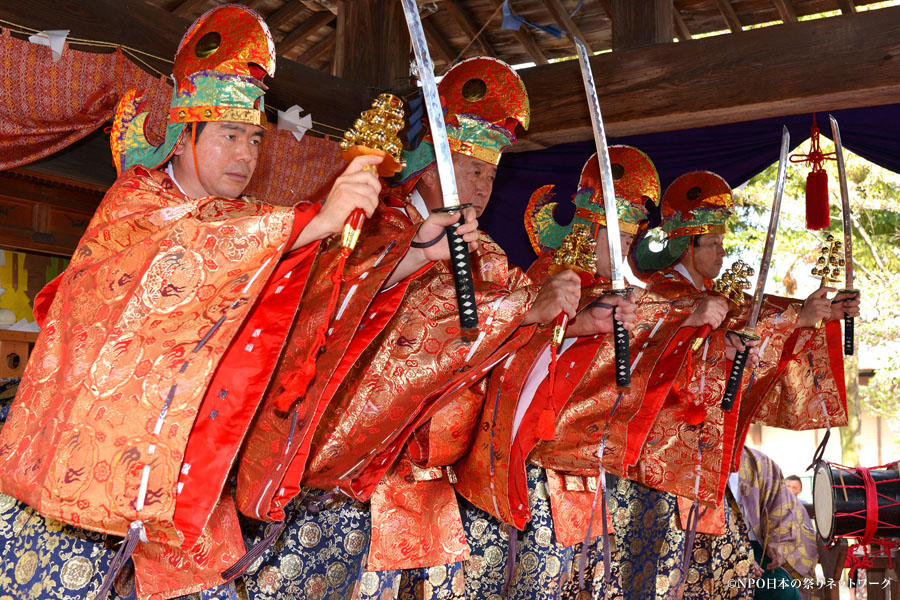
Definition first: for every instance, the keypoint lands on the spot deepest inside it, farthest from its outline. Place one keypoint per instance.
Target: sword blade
(845, 203)
(432, 104)
(606, 178)
(773, 230)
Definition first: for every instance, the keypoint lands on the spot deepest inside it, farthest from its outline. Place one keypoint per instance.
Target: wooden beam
(636, 24)
(299, 35)
(465, 21)
(149, 28)
(561, 16)
(382, 62)
(527, 40)
(188, 8)
(681, 29)
(288, 11)
(318, 49)
(731, 18)
(437, 41)
(820, 65)
(786, 11)
(848, 7)
(607, 8)
(43, 215)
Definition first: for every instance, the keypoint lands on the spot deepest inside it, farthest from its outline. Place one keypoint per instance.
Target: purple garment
(775, 516)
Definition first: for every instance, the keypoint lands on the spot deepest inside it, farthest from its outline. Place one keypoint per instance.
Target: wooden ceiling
(306, 30)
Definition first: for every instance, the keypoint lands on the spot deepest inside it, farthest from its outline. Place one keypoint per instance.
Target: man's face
(604, 268)
(795, 486)
(474, 180)
(226, 158)
(709, 254)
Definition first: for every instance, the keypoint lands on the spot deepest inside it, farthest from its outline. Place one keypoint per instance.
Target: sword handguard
(461, 265)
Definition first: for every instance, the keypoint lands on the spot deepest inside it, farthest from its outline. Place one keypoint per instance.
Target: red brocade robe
(157, 344)
(671, 459)
(582, 401)
(398, 363)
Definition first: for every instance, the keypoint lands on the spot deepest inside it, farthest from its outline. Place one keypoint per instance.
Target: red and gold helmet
(484, 101)
(636, 183)
(218, 71)
(696, 203)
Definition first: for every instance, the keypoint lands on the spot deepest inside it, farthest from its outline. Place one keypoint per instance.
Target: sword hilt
(621, 344)
(737, 372)
(848, 335)
(461, 265)
(848, 327)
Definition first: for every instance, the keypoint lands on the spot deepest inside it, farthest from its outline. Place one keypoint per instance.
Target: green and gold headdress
(484, 101)
(218, 72)
(694, 204)
(636, 183)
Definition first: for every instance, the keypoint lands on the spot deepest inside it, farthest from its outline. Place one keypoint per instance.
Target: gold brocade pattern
(414, 523)
(449, 435)
(669, 460)
(484, 474)
(810, 394)
(277, 439)
(403, 369)
(131, 341)
(650, 548)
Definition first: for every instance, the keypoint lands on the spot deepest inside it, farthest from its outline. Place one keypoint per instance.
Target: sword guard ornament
(373, 133)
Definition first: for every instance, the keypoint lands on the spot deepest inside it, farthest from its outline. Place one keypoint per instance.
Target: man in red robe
(336, 470)
(158, 341)
(556, 421)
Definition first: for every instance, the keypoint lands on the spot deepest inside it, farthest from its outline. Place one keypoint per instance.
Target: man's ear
(179, 147)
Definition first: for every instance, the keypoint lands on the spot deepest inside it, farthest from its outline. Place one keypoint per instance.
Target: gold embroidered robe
(156, 292)
(487, 476)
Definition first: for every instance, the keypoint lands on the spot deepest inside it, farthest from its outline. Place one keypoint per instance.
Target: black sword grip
(848, 335)
(734, 379)
(462, 277)
(623, 354)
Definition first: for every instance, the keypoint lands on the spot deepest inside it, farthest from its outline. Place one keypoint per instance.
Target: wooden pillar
(372, 44)
(638, 23)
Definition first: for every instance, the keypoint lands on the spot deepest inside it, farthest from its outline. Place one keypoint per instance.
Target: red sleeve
(44, 299)
(303, 214)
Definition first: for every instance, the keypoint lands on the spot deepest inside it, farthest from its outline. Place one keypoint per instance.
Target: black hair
(794, 478)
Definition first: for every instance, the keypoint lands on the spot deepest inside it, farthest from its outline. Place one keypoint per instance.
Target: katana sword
(459, 250)
(848, 232)
(749, 333)
(620, 334)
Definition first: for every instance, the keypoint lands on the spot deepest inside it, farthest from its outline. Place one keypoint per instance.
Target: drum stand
(832, 561)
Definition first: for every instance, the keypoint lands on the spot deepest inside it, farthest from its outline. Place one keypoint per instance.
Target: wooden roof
(306, 30)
